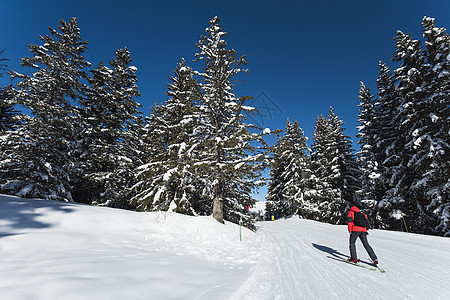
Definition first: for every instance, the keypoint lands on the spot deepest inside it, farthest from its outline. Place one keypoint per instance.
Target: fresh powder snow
(57, 250)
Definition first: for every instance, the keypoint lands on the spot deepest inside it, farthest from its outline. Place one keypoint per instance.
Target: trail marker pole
(404, 223)
(240, 221)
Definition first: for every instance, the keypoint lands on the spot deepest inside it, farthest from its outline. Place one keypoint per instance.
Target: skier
(357, 227)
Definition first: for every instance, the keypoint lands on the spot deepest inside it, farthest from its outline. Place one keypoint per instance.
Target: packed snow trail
(297, 264)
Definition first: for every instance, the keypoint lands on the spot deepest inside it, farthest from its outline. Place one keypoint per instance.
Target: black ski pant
(363, 237)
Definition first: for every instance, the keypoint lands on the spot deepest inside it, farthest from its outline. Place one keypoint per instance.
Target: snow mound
(56, 250)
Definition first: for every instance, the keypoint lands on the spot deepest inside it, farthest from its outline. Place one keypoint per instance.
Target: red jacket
(351, 217)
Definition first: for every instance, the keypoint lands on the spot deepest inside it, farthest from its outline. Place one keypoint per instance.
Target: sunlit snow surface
(54, 250)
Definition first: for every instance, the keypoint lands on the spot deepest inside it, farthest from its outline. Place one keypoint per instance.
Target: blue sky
(303, 56)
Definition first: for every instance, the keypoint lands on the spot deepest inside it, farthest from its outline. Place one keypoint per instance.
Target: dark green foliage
(409, 143)
(289, 189)
(168, 179)
(205, 158)
(8, 115)
(110, 122)
(40, 164)
(335, 169)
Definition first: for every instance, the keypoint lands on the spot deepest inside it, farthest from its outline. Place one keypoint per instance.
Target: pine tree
(289, 188)
(41, 165)
(349, 181)
(367, 155)
(8, 114)
(230, 156)
(8, 120)
(336, 169)
(324, 154)
(403, 110)
(151, 172)
(110, 118)
(413, 110)
(410, 137)
(167, 180)
(387, 147)
(275, 197)
(429, 134)
(276, 184)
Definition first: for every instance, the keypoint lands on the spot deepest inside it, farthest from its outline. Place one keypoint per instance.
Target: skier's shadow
(334, 254)
(331, 251)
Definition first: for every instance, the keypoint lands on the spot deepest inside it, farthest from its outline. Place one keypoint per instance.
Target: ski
(356, 264)
(380, 269)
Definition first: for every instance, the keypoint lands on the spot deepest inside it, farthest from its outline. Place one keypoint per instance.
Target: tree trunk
(218, 203)
(218, 189)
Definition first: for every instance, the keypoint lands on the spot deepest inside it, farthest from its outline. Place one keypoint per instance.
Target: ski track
(295, 265)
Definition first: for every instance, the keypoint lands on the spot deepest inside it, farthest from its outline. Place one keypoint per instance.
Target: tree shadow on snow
(18, 214)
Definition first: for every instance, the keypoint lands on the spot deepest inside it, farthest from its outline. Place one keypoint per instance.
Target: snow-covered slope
(53, 250)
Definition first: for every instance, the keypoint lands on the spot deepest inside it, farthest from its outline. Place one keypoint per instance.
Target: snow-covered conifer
(41, 165)
(323, 159)
(349, 181)
(289, 189)
(276, 184)
(367, 132)
(230, 157)
(8, 120)
(412, 112)
(372, 134)
(411, 134)
(335, 168)
(111, 120)
(8, 114)
(166, 180)
(388, 146)
(274, 197)
(429, 135)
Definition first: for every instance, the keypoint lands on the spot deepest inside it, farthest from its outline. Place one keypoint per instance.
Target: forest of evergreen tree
(84, 139)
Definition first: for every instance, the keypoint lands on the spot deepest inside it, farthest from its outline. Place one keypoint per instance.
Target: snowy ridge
(56, 250)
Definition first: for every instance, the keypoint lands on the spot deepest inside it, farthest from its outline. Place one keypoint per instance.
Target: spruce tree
(412, 110)
(8, 120)
(336, 169)
(167, 180)
(370, 166)
(230, 156)
(429, 134)
(276, 185)
(278, 164)
(41, 165)
(349, 181)
(8, 114)
(397, 114)
(411, 132)
(289, 186)
(387, 147)
(324, 154)
(110, 118)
